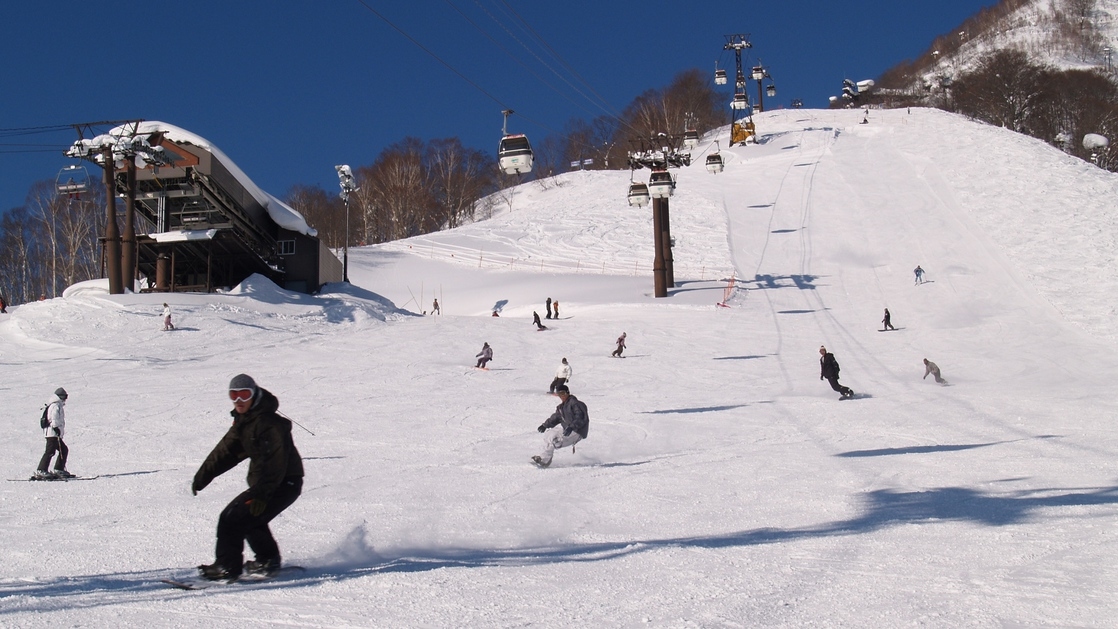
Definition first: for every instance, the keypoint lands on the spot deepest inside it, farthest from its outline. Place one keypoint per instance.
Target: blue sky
(289, 89)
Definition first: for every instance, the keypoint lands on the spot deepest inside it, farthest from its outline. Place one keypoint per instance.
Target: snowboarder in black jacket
(829, 371)
(275, 480)
(572, 417)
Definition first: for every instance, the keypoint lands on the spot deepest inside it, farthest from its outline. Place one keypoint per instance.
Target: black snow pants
(838, 387)
(54, 444)
(237, 526)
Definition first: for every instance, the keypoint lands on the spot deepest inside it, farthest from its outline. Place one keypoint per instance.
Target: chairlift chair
(638, 194)
(661, 184)
(72, 181)
(515, 154)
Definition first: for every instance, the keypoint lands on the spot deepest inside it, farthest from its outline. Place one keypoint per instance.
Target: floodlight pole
(348, 185)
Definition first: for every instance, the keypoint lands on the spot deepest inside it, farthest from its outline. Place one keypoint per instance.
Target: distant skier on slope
(562, 376)
(573, 421)
(620, 346)
(275, 480)
(548, 306)
(54, 430)
(932, 368)
(919, 274)
(167, 325)
(888, 321)
(484, 356)
(829, 371)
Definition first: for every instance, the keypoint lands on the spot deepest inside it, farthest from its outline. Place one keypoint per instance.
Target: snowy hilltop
(722, 482)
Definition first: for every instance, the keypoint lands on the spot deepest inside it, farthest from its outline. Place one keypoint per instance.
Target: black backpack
(43, 421)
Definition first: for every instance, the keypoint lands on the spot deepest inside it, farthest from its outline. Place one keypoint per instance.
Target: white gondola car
(515, 154)
(715, 163)
(690, 139)
(719, 77)
(661, 184)
(741, 101)
(638, 194)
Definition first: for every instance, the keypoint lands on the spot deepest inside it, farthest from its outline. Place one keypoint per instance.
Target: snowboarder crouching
(275, 480)
(568, 425)
(54, 430)
(829, 370)
(536, 320)
(484, 356)
(932, 368)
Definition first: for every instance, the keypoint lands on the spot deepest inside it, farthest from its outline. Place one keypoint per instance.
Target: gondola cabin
(638, 194)
(741, 101)
(719, 77)
(661, 184)
(715, 163)
(515, 154)
(690, 139)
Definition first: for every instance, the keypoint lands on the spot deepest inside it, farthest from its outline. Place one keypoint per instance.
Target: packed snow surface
(722, 483)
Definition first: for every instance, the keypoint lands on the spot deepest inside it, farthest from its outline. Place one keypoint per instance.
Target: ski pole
(295, 422)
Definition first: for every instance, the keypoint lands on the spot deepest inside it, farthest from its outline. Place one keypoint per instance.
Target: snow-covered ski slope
(722, 484)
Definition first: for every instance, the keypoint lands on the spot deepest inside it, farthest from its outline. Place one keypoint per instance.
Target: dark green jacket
(262, 437)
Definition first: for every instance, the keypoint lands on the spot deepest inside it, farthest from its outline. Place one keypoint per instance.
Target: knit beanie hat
(61, 393)
(242, 381)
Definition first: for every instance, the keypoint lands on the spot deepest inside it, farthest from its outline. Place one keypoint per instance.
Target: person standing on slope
(573, 421)
(548, 304)
(484, 356)
(932, 368)
(887, 321)
(54, 430)
(435, 308)
(829, 371)
(919, 274)
(620, 346)
(555, 307)
(167, 325)
(275, 480)
(562, 376)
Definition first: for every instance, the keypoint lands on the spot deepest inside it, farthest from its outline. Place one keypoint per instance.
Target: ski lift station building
(201, 223)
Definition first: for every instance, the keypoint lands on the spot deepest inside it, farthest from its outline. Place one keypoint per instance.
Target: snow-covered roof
(284, 215)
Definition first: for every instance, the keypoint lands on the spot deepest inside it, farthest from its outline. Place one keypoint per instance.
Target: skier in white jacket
(562, 375)
(54, 431)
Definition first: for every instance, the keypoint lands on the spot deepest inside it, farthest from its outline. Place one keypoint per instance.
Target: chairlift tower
(658, 154)
(739, 133)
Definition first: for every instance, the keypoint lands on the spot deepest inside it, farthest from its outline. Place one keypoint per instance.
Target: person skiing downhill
(484, 356)
(54, 431)
(562, 376)
(573, 425)
(275, 480)
(829, 370)
(887, 321)
(919, 274)
(932, 368)
(620, 346)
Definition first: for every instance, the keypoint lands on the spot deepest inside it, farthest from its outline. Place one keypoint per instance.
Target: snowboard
(198, 583)
(893, 330)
